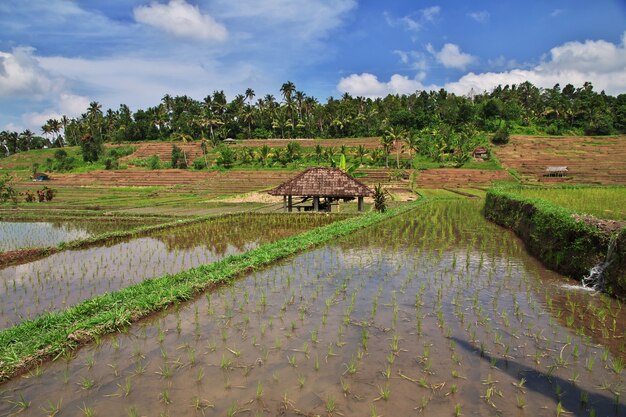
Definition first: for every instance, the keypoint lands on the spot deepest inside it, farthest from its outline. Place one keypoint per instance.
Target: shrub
(380, 203)
(154, 162)
(501, 137)
(226, 158)
(7, 192)
(178, 158)
(199, 163)
(29, 196)
(111, 164)
(91, 147)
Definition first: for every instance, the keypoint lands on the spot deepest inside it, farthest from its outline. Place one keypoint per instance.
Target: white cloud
(481, 17)
(414, 59)
(66, 104)
(414, 22)
(556, 12)
(300, 19)
(21, 75)
(600, 62)
(141, 82)
(451, 56)
(181, 19)
(368, 85)
(430, 13)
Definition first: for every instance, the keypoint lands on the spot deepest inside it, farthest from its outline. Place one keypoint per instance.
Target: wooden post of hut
(332, 184)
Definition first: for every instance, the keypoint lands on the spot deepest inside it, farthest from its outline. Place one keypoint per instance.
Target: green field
(602, 202)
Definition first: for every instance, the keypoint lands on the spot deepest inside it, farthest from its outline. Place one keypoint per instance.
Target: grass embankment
(603, 202)
(27, 344)
(554, 235)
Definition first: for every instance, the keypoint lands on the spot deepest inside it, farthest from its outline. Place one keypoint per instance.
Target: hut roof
(480, 150)
(551, 169)
(323, 182)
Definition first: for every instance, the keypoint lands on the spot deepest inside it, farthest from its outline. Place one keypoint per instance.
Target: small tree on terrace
(380, 203)
(361, 152)
(91, 148)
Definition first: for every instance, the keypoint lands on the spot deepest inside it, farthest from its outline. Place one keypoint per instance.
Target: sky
(56, 56)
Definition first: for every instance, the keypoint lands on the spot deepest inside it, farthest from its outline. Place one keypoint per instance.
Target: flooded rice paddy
(17, 235)
(65, 278)
(435, 313)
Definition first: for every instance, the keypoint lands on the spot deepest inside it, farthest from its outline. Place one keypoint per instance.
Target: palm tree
(25, 139)
(394, 136)
(318, 152)
(264, 154)
(55, 128)
(47, 130)
(287, 90)
(249, 94)
(387, 142)
(247, 115)
(361, 152)
(411, 141)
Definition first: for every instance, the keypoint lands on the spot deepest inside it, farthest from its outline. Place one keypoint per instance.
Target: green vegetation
(602, 202)
(51, 335)
(560, 241)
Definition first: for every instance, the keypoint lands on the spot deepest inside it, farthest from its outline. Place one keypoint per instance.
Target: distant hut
(229, 141)
(480, 153)
(329, 184)
(554, 171)
(40, 176)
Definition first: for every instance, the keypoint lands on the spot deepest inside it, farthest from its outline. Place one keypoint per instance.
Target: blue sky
(58, 55)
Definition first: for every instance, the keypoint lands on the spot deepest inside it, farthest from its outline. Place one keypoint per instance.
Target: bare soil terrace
(590, 160)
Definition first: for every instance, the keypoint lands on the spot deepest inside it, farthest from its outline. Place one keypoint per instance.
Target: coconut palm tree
(249, 94)
(361, 152)
(411, 142)
(395, 136)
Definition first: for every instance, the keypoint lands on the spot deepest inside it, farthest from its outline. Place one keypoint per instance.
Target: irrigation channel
(435, 312)
(65, 278)
(17, 235)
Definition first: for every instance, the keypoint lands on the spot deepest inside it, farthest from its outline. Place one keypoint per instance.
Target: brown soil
(458, 178)
(164, 151)
(589, 160)
(21, 256)
(608, 226)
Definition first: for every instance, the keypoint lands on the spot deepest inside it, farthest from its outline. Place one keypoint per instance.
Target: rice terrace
(424, 246)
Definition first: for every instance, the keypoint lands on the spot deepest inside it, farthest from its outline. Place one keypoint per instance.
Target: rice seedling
(21, 404)
(331, 405)
(86, 383)
(164, 397)
(87, 411)
(52, 409)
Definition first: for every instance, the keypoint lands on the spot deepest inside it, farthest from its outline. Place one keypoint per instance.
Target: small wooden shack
(322, 186)
(480, 153)
(556, 171)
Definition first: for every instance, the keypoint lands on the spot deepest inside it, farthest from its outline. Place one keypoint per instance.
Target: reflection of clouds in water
(32, 234)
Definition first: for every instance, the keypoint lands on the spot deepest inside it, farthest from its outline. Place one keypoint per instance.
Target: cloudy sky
(58, 55)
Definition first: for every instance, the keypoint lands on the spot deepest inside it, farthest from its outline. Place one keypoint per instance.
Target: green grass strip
(27, 344)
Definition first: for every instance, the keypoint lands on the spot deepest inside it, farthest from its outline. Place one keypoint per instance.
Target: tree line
(439, 119)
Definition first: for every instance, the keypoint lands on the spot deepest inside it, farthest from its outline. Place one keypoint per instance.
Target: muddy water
(433, 313)
(65, 278)
(16, 235)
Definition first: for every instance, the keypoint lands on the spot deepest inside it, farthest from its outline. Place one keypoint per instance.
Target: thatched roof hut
(328, 183)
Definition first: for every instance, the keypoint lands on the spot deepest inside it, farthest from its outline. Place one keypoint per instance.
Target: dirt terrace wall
(563, 244)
